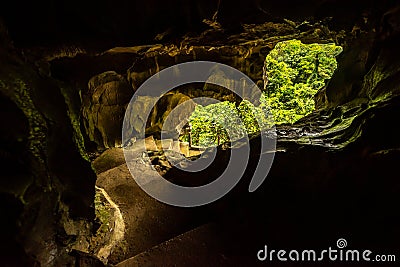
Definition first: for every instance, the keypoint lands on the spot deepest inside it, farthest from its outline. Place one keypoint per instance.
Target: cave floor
(147, 221)
(313, 197)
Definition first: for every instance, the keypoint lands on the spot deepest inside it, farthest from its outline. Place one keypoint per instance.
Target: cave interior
(69, 70)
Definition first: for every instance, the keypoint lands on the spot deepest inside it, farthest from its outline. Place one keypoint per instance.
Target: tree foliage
(224, 122)
(295, 73)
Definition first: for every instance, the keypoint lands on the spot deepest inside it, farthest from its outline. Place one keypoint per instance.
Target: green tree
(226, 122)
(215, 122)
(295, 73)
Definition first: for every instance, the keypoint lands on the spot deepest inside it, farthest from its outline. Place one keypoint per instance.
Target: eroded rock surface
(104, 107)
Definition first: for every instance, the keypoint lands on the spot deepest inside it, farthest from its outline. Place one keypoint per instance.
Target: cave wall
(46, 181)
(368, 69)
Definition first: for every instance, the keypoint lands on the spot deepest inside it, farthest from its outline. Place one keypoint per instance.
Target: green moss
(103, 212)
(14, 86)
(73, 114)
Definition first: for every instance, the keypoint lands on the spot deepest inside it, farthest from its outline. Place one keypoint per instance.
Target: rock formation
(47, 180)
(104, 106)
(68, 73)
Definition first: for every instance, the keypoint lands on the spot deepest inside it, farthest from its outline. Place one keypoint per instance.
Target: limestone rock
(159, 115)
(104, 108)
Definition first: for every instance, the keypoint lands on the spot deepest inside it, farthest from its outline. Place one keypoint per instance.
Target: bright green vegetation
(295, 72)
(207, 123)
(219, 123)
(103, 211)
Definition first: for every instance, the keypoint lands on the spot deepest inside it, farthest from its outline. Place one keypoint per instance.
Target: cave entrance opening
(293, 73)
